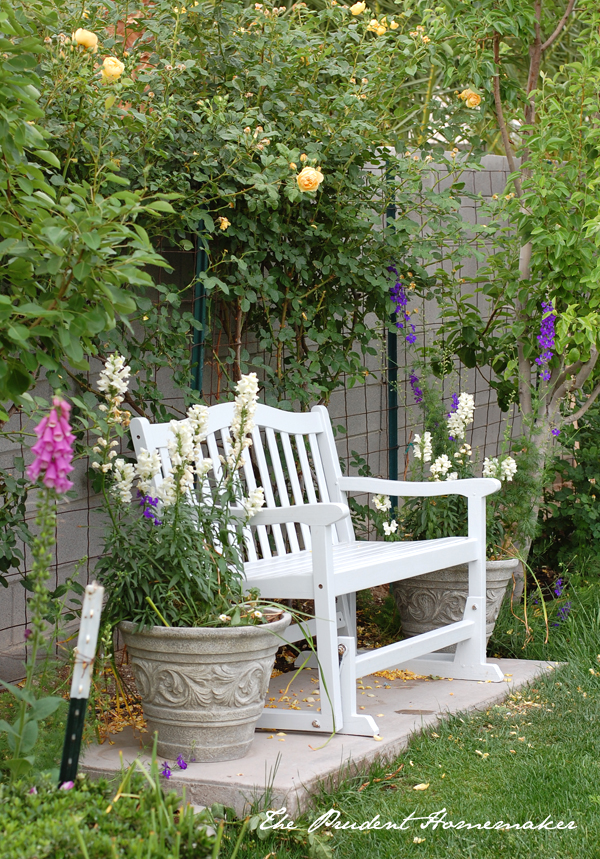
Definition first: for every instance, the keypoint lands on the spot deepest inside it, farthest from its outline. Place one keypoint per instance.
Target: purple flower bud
(67, 785)
(400, 299)
(181, 762)
(32, 789)
(27, 634)
(166, 770)
(558, 588)
(414, 384)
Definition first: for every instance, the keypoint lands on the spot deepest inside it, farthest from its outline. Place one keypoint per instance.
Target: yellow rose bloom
(223, 223)
(470, 98)
(358, 8)
(309, 179)
(394, 25)
(381, 30)
(86, 39)
(112, 69)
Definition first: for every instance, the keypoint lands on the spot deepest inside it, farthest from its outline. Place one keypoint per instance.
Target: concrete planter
(437, 599)
(202, 688)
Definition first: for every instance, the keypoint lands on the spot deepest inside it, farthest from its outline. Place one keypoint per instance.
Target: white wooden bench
(302, 546)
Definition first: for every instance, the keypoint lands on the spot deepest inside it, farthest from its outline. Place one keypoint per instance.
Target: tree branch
(581, 377)
(551, 39)
(500, 115)
(580, 413)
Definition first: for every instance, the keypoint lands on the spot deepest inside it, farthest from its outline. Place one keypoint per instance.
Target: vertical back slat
(320, 475)
(265, 479)
(295, 483)
(261, 530)
(306, 470)
(281, 487)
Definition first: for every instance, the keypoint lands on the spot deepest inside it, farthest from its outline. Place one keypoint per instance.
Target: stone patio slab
(284, 769)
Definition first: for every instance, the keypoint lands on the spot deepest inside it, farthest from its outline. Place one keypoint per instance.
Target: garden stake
(80, 685)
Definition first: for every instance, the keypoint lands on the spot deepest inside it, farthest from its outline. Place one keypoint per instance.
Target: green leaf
(161, 206)
(29, 735)
(48, 157)
(44, 707)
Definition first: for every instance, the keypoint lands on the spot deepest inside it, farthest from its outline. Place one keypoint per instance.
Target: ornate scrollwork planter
(203, 689)
(437, 599)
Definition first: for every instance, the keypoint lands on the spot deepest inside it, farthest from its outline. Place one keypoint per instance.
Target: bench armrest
(473, 487)
(305, 514)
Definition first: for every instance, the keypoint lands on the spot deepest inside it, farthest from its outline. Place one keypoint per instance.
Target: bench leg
(353, 722)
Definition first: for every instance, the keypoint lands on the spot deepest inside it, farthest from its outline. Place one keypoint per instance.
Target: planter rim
(128, 626)
(509, 563)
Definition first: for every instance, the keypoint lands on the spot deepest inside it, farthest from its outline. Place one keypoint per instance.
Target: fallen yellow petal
(421, 786)
(377, 737)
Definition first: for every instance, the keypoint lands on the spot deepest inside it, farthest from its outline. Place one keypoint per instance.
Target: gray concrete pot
(435, 599)
(203, 688)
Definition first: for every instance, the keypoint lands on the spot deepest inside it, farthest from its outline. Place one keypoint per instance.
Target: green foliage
(142, 821)
(217, 102)
(570, 517)
(70, 252)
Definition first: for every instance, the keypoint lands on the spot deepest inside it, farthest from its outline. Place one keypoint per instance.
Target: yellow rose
(112, 69)
(394, 25)
(381, 30)
(86, 39)
(473, 99)
(358, 8)
(309, 179)
(223, 223)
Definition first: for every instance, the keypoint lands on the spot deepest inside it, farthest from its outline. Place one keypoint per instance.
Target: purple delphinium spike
(400, 300)
(181, 762)
(166, 770)
(563, 613)
(546, 339)
(148, 503)
(558, 588)
(414, 384)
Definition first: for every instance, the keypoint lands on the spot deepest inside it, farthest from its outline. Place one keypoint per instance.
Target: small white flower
(390, 527)
(114, 377)
(124, 474)
(508, 469)
(224, 618)
(96, 465)
(254, 502)
(459, 420)
(382, 503)
(147, 467)
(490, 467)
(242, 423)
(258, 614)
(441, 466)
(452, 476)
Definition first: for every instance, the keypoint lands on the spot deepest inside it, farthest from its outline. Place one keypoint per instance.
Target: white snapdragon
(197, 417)
(441, 466)
(181, 443)
(114, 377)
(203, 466)
(490, 467)
(508, 469)
(422, 447)
(124, 474)
(242, 423)
(147, 467)
(254, 502)
(459, 420)
(390, 528)
(382, 503)
(452, 476)
(505, 470)
(166, 492)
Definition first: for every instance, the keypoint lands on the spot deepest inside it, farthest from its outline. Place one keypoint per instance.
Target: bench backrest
(292, 456)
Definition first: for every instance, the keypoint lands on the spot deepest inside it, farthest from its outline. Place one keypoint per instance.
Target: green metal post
(392, 381)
